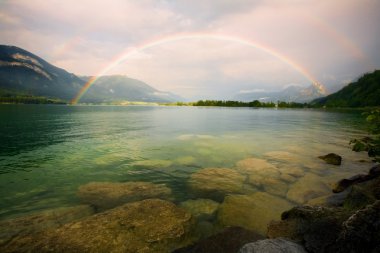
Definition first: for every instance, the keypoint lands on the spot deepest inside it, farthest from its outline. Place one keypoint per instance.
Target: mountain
(118, 87)
(289, 94)
(25, 74)
(22, 72)
(361, 93)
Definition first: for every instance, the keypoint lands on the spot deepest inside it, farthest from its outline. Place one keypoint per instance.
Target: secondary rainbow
(186, 36)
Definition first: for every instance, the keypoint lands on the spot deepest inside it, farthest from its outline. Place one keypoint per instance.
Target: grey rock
(278, 245)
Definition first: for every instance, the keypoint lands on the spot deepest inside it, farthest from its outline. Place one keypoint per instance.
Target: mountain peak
(22, 72)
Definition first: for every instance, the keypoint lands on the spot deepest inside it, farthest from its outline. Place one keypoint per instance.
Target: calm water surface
(47, 152)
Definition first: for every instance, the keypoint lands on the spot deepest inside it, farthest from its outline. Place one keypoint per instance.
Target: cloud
(251, 91)
(333, 40)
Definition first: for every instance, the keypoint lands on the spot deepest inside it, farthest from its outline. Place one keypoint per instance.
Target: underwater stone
(253, 211)
(275, 186)
(256, 166)
(203, 209)
(308, 187)
(106, 195)
(281, 156)
(153, 164)
(229, 240)
(36, 222)
(216, 181)
(147, 226)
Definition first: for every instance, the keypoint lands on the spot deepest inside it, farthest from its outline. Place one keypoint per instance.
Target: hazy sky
(333, 40)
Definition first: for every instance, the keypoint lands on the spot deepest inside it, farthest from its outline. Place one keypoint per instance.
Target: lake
(242, 161)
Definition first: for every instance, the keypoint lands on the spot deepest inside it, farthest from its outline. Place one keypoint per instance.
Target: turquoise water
(47, 152)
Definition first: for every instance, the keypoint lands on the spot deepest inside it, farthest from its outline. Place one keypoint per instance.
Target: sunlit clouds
(334, 41)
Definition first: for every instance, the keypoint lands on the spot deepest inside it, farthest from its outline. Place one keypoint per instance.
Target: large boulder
(216, 182)
(229, 240)
(360, 232)
(202, 209)
(106, 195)
(308, 187)
(331, 158)
(253, 211)
(278, 245)
(316, 227)
(36, 222)
(151, 225)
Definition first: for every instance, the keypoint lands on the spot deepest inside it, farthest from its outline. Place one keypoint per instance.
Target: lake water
(47, 152)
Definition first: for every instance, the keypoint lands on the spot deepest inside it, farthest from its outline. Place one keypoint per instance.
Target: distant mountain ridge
(291, 93)
(23, 73)
(361, 93)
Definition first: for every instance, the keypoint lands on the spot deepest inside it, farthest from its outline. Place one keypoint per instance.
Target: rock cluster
(350, 225)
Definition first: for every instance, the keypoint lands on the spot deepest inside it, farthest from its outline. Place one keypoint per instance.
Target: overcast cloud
(336, 40)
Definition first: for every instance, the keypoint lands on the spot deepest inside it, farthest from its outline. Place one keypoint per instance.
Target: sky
(202, 49)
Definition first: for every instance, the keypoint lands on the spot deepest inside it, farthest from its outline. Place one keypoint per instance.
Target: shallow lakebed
(223, 166)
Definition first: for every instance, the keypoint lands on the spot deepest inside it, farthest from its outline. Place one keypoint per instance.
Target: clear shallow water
(47, 152)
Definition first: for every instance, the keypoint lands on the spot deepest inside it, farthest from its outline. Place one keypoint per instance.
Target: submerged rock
(252, 212)
(287, 178)
(186, 160)
(153, 164)
(275, 186)
(256, 166)
(203, 209)
(36, 222)
(281, 156)
(331, 200)
(264, 175)
(332, 158)
(230, 240)
(342, 184)
(308, 187)
(278, 245)
(106, 195)
(151, 225)
(216, 182)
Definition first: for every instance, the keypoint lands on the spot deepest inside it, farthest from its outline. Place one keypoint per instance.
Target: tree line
(255, 103)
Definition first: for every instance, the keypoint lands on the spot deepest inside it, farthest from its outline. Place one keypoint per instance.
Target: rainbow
(185, 36)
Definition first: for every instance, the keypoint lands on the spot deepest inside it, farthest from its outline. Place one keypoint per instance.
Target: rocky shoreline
(232, 211)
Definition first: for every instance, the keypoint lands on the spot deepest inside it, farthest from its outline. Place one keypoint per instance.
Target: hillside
(118, 87)
(361, 93)
(27, 78)
(23, 73)
(289, 94)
